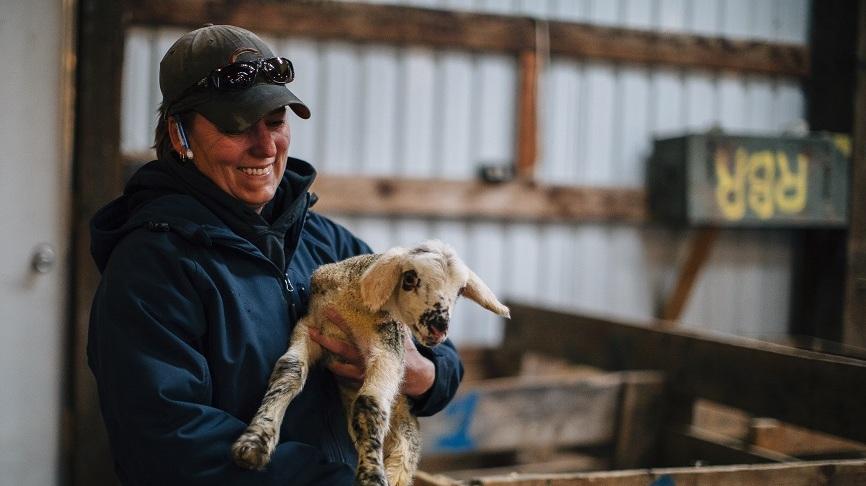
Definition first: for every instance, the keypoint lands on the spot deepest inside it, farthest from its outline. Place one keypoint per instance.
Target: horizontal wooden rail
(508, 201)
(838, 473)
(814, 390)
(476, 32)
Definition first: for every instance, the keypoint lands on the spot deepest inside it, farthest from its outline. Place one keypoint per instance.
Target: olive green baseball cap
(196, 54)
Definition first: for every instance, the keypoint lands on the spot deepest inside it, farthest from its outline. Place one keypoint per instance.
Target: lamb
(383, 296)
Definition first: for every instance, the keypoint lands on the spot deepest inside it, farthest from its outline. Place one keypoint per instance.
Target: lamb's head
(420, 285)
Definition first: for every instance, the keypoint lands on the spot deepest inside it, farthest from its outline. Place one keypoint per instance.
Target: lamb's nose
(439, 325)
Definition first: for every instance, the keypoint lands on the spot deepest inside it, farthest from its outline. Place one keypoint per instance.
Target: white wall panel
(379, 112)
(495, 92)
(632, 145)
(419, 112)
(666, 102)
(637, 14)
(671, 15)
(455, 104)
(570, 10)
(416, 115)
(601, 112)
(340, 137)
(137, 109)
(306, 59)
(703, 17)
(562, 143)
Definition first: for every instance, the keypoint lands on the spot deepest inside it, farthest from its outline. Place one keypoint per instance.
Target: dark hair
(161, 138)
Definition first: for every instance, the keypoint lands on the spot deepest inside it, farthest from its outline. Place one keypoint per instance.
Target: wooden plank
(637, 436)
(97, 180)
(721, 419)
(426, 479)
(512, 201)
(694, 445)
(538, 413)
(473, 31)
(814, 390)
(566, 462)
(527, 115)
(837, 473)
(796, 441)
(701, 245)
(854, 332)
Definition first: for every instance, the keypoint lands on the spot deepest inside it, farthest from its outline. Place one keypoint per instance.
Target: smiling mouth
(257, 171)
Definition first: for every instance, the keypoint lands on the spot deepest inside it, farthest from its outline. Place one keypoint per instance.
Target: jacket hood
(166, 195)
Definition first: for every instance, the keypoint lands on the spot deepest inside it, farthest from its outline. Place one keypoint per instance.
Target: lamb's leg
(371, 410)
(254, 448)
(402, 445)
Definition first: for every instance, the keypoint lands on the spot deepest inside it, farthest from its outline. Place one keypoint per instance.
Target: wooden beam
(814, 390)
(527, 116)
(854, 332)
(837, 473)
(796, 441)
(700, 247)
(694, 445)
(97, 180)
(558, 462)
(511, 201)
(476, 32)
(426, 479)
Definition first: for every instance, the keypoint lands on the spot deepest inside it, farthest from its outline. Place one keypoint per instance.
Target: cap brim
(235, 111)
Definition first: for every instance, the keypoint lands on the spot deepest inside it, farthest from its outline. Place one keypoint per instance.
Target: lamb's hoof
(370, 477)
(251, 451)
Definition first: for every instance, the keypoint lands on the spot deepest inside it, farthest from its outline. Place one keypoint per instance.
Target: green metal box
(717, 179)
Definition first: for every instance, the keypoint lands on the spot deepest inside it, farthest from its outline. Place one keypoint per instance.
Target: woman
(206, 261)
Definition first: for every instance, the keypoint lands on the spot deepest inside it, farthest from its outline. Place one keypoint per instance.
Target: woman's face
(247, 165)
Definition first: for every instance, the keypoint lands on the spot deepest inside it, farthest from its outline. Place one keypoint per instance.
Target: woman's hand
(349, 368)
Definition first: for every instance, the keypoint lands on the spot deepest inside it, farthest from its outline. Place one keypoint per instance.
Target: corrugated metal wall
(421, 112)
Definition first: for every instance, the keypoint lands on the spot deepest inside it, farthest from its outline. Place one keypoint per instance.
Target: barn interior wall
(420, 112)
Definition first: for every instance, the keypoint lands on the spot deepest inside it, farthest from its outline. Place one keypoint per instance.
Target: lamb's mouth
(434, 337)
(257, 171)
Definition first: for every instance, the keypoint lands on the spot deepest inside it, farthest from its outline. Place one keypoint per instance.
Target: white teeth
(257, 171)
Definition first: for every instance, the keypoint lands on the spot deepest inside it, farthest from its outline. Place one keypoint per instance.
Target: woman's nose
(263, 144)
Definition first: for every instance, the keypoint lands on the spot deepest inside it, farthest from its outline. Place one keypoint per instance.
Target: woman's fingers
(348, 371)
(346, 351)
(338, 320)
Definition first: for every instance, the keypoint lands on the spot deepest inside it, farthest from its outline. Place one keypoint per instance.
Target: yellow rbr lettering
(761, 174)
(731, 187)
(791, 189)
(755, 178)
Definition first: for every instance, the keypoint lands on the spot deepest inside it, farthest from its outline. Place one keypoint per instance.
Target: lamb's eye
(410, 280)
(462, 289)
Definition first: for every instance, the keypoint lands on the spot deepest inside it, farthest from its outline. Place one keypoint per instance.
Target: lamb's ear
(380, 279)
(478, 291)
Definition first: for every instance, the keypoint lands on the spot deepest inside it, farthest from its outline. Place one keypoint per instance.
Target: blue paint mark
(462, 411)
(665, 480)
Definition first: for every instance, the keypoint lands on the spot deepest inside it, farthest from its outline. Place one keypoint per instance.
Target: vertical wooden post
(97, 179)
(855, 295)
(527, 115)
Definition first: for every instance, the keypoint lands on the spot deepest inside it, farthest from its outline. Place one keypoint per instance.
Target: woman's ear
(478, 291)
(380, 279)
(178, 136)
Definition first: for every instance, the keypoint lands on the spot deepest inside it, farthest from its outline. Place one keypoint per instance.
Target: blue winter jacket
(198, 299)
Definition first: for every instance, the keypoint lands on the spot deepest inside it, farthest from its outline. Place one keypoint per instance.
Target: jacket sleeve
(449, 373)
(154, 384)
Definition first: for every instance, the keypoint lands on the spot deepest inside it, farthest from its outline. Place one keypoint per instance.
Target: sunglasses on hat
(243, 74)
